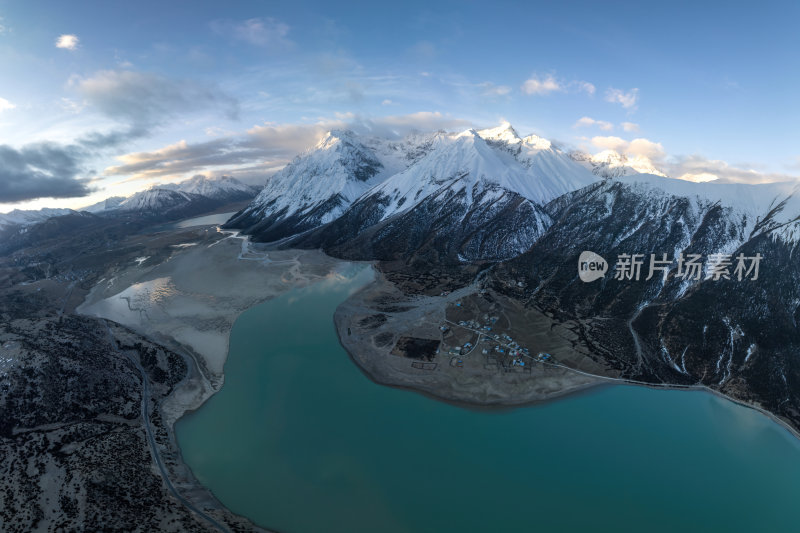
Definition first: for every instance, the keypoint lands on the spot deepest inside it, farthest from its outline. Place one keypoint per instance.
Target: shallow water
(219, 218)
(299, 440)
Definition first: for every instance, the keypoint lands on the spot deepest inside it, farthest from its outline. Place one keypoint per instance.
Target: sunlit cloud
(637, 147)
(587, 122)
(700, 177)
(699, 168)
(265, 148)
(67, 41)
(541, 85)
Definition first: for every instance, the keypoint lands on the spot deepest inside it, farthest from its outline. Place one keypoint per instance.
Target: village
(475, 333)
(497, 349)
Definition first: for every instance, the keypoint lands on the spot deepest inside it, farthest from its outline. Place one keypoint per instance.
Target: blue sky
(142, 92)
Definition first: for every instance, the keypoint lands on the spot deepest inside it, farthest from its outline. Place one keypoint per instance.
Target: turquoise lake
(299, 440)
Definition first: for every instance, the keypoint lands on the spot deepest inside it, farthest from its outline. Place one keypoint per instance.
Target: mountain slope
(478, 182)
(108, 204)
(739, 337)
(224, 188)
(166, 204)
(19, 217)
(316, 187)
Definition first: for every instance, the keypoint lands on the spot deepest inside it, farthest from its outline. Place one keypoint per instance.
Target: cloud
(387, 102)
(699, 168)
(630, 126)
(586, 87)
(695, 168)
(627, 100)
(182, 157)
(5, 105)
(266, 148)
(42, 170)
(636, 148)
(539, 85)
(264, 32)
(586, 122)
(146, 99)
(490, 89)
(617, 144)
(545, 85)
(701, 177)
(67, 41)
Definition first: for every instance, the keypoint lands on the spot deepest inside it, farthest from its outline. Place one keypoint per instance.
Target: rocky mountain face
(736, 336)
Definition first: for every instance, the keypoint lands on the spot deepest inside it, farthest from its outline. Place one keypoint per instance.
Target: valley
(473, 240)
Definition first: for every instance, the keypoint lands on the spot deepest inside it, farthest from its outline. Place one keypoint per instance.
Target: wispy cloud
(628, 99)
(265, 32)
(630, 126)
(587, 122)
(5, 105)
(541, 85)
(67, 41)
(490, 89)
(585, 86)
(144, 100)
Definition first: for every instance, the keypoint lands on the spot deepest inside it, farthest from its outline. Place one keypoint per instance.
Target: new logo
(591, 266)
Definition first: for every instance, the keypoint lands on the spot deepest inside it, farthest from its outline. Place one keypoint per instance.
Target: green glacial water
(299, 440)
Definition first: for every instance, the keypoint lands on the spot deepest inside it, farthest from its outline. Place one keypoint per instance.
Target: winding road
(152, 441)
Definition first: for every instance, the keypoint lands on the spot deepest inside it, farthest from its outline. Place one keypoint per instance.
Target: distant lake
(299, 440)
(219, 218)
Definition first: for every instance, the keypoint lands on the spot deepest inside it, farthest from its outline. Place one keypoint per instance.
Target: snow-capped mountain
(737, 336)
(105, 205)
(224, 188)
(473, 196)
(490, 195)
(367, 180)
(612, 164)
(19, 217)
(316, 187)
(166, 203)
(177, 199)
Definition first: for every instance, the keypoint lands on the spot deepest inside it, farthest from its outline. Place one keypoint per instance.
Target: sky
(99, 99)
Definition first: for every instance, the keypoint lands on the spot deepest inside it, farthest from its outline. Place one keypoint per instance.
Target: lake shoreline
(342, 323)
